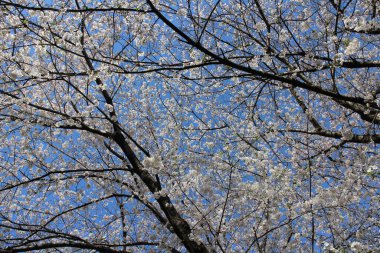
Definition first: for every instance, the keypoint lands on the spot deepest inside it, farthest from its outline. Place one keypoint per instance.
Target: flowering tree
(198, 126)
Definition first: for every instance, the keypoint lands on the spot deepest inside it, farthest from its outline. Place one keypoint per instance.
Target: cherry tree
(189, 126)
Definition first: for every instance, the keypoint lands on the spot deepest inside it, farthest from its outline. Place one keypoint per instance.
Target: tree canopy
(189, 126)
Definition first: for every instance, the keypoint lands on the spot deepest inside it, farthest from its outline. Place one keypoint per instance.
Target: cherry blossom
(189, 126)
